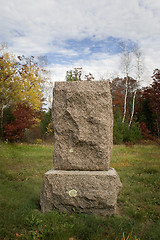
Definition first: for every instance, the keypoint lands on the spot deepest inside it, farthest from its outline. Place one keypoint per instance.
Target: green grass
(21, 176)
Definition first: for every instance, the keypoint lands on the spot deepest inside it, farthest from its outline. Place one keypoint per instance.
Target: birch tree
(139, 71)
(126, 67)
(46, 83)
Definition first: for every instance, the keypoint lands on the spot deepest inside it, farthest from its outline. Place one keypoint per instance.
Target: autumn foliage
(147, 109)
(25, 118)
(153, 95)
(20, 82)
(22, 91)
(144, 130)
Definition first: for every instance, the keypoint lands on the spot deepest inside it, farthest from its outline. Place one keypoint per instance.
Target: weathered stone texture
(85, 191)
(83, 125)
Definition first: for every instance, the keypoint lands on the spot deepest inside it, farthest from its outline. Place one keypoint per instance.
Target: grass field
(21, 176)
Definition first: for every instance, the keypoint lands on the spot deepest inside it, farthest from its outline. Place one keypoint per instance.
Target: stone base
(83, 191)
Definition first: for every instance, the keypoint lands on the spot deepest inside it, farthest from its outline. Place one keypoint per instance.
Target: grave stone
(83, 131)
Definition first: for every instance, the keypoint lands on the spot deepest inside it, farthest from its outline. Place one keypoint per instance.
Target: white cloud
(101, 66)
(40, 27)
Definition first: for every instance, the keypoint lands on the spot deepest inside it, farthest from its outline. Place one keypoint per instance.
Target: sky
(83, 33)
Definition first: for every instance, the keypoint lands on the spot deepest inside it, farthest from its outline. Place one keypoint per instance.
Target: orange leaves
(25, 117)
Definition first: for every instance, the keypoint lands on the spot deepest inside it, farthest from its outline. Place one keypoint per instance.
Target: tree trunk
(125, 100)
(1, 122)
(133, 107)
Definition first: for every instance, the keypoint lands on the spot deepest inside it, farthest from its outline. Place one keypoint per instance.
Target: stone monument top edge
(83, 85)
(81, 82)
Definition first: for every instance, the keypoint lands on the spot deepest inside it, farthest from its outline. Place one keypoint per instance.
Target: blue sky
(85, 48)
(83, 33)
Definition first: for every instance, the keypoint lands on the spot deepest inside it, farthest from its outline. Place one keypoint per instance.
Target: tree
(152, 95)
(144, 114)
(9, 82)
(121, 131)
(24, 118)
(89, 77)
(74, 75)
(139, 71)
(129, 56)
(126, 65)
(118, 91)
(20, 81)
(47, 83)
(46, 121)
(148, 113)
(30, 81)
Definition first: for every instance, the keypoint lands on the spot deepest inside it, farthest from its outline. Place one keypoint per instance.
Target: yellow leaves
(49, 128)
(30, 90)
(19, 82)
(36, 120)
(8, 78)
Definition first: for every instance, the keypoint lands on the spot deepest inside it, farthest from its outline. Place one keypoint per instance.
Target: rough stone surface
(83, 125)
(85, 191)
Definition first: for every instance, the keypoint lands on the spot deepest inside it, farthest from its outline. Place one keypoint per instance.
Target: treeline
(142, 117)
(24, 91)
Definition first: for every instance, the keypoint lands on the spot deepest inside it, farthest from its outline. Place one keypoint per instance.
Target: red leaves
(89, 77)
(144, 130)
(152, 95)
(118, 92)
(24, 118)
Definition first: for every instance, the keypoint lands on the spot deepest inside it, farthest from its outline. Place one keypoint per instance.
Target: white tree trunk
(139, 70)
(126, 65)
(125, 101)
(133, 107)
